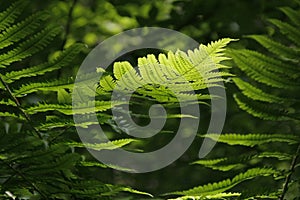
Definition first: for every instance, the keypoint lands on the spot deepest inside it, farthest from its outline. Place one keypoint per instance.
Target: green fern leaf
(107, 83)
(13, 115)
(57, 122)
(67, 109)
(257, 94)
(7, 102)
(277, 48)
(120, 68)
(230, 163)
(166, 74)
(222, 195)
(290, 31)
(262, 110)
(104, 146)
(219, 187)
(61, 61)
(65, 162)
(20, 30)
(31, 46)
(292, 14)
(261, 62)
(55, 85)
(259, 74)
(253, 139)
(10, 14)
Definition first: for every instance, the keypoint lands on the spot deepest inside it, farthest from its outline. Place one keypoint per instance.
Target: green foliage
(180, 71)
(38, 162)
(35, 162)
(269, 89)
(277, 69)
(42, 158)
(253, 139)
(219, 187)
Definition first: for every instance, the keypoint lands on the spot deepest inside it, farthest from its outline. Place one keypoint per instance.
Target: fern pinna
(270, 90)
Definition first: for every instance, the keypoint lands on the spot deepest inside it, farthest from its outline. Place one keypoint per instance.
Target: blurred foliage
(92, 21)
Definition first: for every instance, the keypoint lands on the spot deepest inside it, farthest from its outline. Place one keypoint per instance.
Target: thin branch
(289, 176)
(58, 135)
(20, 108)
(26, 179)
(69, 22)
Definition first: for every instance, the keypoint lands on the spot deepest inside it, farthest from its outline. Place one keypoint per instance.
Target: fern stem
(25, 179)
(20, 108)
(58, 135)
(289, 176)
(69, 22)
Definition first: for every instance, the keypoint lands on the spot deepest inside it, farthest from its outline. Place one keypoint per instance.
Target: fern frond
(7, 102)
(13, 115)
(261, 62)
(65, 162)
(277, 48)
(29, 47)
(266, 111)
(20, 30)
(290, 31)
(219, 187)
(61, 61)
(55, 85)
(230, 163)
(257, 72)
(171, 75)
(107, 83)
(8, 16)
(100, 190)
(104, 146)
(57, 122)
(222, 195)
(292, 14)
(120, 68)
(257, 94)
(253, 139)
(87, 188)
(216, 49)
(89, 107)
(133, 191)
(98, 164)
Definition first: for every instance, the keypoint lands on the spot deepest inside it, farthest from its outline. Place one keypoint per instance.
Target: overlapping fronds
(271, 92)
(253, 139)
(34, 162)
(269, 89)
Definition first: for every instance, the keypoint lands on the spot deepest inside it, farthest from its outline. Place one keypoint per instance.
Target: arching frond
(88, 107)
(20, 30)
(104, 146)
(61, 61)
(253, 139)
(8, 16)
(263, 110)
(257, 94)
(230, 163)
(29, 47)
(277, 48)
(222, 186)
